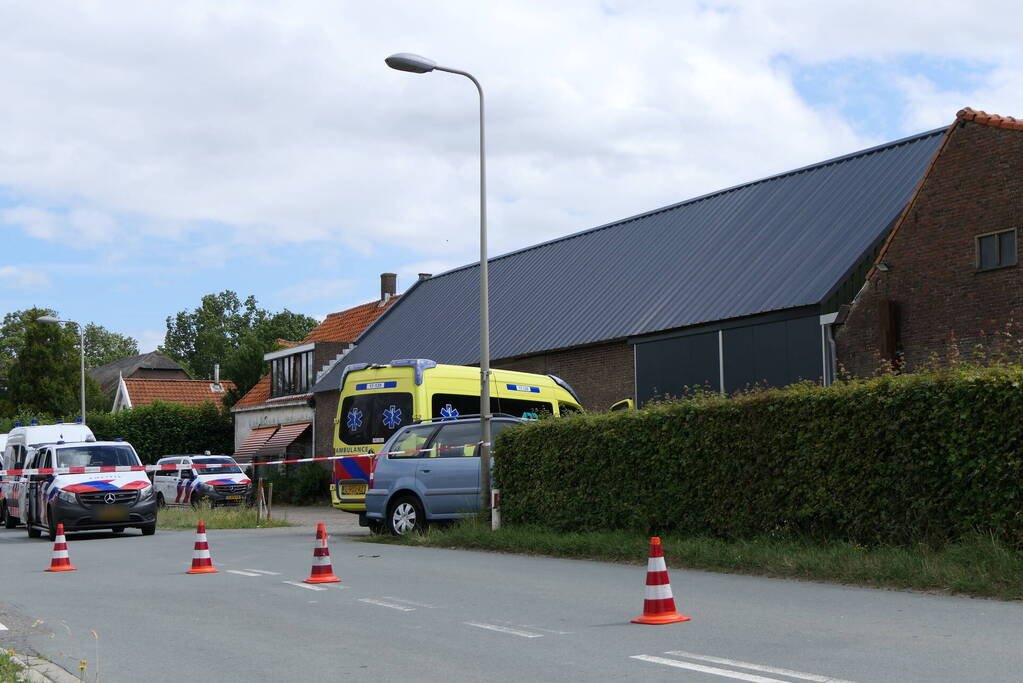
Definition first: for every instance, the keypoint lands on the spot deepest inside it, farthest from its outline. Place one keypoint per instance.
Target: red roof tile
(191, 392)
(344, 326)
(995, 120)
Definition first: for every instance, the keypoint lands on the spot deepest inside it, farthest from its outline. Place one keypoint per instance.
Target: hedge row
(895, 459)
(168, 428)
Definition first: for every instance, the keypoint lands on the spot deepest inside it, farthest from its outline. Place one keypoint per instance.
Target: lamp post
(405, 61)
(81, 344)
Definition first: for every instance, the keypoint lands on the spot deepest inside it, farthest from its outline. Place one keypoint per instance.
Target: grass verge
(977, 566)
(240, 517)
(8, 668)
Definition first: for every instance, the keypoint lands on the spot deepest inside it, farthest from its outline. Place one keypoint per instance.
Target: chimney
(388, 287)
(216, 373)
(425, 276)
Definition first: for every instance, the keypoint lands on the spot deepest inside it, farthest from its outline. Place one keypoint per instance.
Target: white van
(190, 485)
(87, 501)
(22, 442)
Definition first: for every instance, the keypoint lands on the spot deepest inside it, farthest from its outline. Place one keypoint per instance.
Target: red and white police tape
(209, 466)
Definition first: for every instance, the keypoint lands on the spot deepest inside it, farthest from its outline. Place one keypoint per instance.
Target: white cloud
(242, 124)
(316, 291)
(23, 278)
(148, 339)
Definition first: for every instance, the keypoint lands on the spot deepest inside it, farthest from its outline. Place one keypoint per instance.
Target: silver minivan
(428, 472)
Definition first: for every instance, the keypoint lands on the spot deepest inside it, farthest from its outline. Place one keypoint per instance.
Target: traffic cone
(202, 563)
(61, 562)
(658, 603)
(322, 571)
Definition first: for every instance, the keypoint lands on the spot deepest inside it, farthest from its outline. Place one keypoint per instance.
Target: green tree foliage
(161, 429)
(896, 459)
(235, 333)
(12, 336)
(103, 346)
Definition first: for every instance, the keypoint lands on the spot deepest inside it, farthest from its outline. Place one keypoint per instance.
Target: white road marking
(503, 629)
(410, 602)
(391, 605)
(727, 673)
(2, 627)
(308, 587)
(239, 571)
(758, 667)
(263, 571)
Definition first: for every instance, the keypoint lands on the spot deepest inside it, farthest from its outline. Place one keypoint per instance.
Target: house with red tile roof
(947, 280)
(279, 416)
(133, 392)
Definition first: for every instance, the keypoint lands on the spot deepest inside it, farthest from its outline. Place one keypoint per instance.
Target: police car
(190, 485)
(21, 443)
(87, 501)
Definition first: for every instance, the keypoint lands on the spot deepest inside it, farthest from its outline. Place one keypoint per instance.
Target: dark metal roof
(777, 243)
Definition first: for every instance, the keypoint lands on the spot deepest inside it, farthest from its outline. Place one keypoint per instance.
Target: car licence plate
(232, 497)
(353, 489)
(112, 513)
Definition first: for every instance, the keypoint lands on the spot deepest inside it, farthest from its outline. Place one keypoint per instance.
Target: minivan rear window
(372, 418)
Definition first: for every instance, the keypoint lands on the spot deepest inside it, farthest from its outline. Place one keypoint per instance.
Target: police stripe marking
(263, 571)
(239, 571)
(296, 584)
(389, 605)
(504, 629)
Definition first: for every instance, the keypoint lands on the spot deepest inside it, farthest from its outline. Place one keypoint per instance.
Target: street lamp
(420, 65)
(81, 340)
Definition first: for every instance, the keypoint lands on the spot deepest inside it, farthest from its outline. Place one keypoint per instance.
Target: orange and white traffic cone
(61, 561)
(322, 571)
(658, 603)
(202, 563)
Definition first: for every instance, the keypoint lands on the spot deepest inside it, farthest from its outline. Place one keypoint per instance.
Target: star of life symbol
(392, 417)
(448, 413)
(354, 419)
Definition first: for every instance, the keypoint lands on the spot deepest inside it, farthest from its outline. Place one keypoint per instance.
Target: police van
(191, 485)
(22, 442)
(86, 501)
(377, 400)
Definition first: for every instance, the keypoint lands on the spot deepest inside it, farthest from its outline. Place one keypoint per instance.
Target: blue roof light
(33, 421)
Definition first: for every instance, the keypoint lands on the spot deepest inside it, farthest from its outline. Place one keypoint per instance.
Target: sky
(152, 153)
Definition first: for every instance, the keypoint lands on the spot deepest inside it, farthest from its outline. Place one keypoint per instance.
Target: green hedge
(895, 459)
(168, 428)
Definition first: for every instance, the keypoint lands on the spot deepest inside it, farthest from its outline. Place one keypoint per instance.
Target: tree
(103, 346)
(235, 333)
(12, 336)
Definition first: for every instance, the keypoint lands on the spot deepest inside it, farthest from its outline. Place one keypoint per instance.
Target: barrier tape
(169, 467)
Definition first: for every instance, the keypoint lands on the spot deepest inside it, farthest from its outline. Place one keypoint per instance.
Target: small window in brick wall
(996, 250)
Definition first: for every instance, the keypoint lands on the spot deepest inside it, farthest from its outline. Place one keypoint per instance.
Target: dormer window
(291, 374)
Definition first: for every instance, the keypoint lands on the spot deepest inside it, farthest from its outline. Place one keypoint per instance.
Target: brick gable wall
(937, 297)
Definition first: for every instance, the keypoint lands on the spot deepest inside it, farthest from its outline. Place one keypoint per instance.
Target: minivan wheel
(148, 529)
(160, 502)
(51, 526)
(33, 532)
(406, 515)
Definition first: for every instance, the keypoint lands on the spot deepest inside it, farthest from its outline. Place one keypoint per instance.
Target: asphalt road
(427, 614)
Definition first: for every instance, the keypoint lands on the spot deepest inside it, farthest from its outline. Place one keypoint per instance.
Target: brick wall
(939, 300)
(601, 374)
(326, 411)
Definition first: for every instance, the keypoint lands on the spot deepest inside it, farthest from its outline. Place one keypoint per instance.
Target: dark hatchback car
(437, 479)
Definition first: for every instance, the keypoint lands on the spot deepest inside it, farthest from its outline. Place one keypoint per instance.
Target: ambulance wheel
(148, 529)
(160, 502)
(406, 515)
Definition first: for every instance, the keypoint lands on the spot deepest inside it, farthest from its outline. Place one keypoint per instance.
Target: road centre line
(758, 667)
(296, 584)
(239, 571)
(503, 629)
(391, 605)
(410, 602)
(263, 571)
(726, 673)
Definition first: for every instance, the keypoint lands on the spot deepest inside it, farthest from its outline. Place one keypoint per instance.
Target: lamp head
(406, 61)
(47, 319)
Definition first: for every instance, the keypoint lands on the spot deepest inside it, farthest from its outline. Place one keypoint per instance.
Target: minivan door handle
(425, 471)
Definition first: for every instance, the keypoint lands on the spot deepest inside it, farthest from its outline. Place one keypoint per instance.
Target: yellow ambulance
(377, 400)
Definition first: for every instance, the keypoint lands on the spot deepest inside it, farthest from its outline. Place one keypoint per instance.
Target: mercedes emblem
(110, 499)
